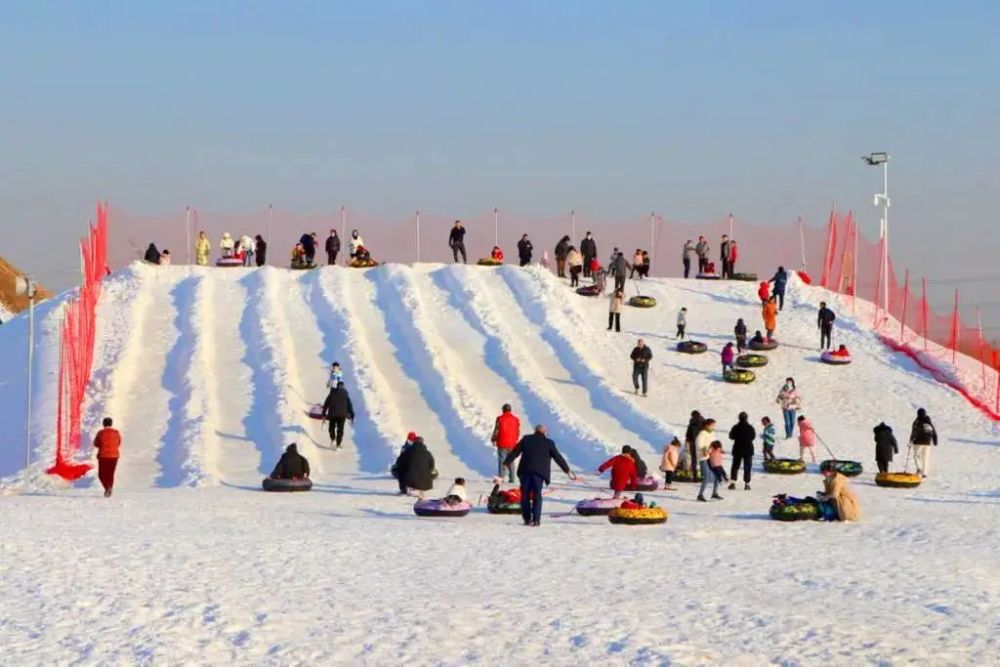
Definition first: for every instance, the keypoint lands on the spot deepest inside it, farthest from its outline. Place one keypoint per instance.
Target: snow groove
(422, 355)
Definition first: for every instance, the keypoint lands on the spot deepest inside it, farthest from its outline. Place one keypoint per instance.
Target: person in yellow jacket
(202, 249)
(838, 492)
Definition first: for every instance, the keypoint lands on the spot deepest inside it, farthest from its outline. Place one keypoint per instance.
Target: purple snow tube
(441, 508)
(316, 411)
(598, 506)
(647, 483)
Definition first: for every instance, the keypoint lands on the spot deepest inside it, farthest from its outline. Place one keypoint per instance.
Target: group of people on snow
(728, 254)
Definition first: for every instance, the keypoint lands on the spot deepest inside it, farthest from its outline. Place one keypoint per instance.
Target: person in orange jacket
(623, 471)
(108, 445)
(770, 314)
(506, 434)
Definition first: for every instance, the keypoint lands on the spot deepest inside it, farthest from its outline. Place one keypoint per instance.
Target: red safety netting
(76, 351)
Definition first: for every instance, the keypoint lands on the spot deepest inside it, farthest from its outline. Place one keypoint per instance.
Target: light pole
(882, 201)
(24, 286)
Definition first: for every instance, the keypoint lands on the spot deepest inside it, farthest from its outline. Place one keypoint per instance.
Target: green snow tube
(684, 476)
(799, 512)
(751, 360)
(785, 466)
(691, 347)
(747, 277)
(739, 376)
(845, 468)
(642, 301)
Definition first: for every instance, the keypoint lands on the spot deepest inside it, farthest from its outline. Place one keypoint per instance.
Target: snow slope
(209, 373)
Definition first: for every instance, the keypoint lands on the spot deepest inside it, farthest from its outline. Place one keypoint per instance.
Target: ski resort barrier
(76, 349)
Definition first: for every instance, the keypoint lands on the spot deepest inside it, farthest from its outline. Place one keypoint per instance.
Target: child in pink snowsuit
(807, 439)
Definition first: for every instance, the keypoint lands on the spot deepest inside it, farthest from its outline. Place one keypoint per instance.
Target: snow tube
(647, 483)
(739, 376)
(708, 276)
(751, 360)
(638, 517)
(691, 347)
(845, 468)
(747, 277)
(362, 263)
(287, 485)
(834, 359)
(589, 290)
(498, 506)
(303, 267)
(898, 480)
(684, 476)
(766, 345)
(227, 262)
(785, 466)
(598, 506)
(316, 411)
(441, 508)
(642, 301)
(802, 511)
(489, 261)
(805, 277)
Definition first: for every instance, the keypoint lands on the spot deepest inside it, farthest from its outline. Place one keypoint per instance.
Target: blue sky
(692, 109)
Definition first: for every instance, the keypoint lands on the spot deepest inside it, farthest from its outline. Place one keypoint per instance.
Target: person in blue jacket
(534, 470)
(780, 280)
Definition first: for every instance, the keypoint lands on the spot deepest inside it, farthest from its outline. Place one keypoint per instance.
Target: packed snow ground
(209, 372)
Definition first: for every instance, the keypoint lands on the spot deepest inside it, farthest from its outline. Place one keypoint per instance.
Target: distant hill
(8, 302)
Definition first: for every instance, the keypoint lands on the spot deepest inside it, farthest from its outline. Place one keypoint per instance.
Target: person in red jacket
(623, 471)
(108, 444)
(764, 292)
(506, 435)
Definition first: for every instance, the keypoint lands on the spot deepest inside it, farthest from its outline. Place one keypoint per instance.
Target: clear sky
(692, 109)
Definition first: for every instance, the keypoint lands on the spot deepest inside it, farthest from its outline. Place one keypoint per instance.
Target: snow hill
(209, 373)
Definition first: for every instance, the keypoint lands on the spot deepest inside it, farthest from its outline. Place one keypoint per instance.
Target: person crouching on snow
(456, 494)
(623, 471)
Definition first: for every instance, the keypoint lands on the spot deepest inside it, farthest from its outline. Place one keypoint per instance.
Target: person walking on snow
(807, 438)
(615, 310)
(623, 472)
(575, 262)
(703, 444)
(780, 281)
(108, 444)
(790, 402)
(728, 357)
(588, 248)
(669, 463)
(506, 434)
(336, 376)
(524, 250)
(724, 257)
(769, 313)
(338, 409)
(740, 331)
(356, 243)
(824, 320)
(686, 256)
(641, 356)
(534, 470)
(332, 247)
(456, 241)
(619, 268)
(702, 250)
(562, 250)
(885, 446)
(694, 427)
(767, 437)
(681, 323)
(202, 249)
(922, 436)
(742, 434)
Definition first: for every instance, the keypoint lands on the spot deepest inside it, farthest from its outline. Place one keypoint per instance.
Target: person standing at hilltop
(261, 257)
(619, 269)
(332, 247)
(724, 257)
(108, 444)
(456, 241)
(588, 248)
(780, 281)
(202, 249)
(702, 250)
(575, 262)
(686, 257)
(524, 250)
(561, 252)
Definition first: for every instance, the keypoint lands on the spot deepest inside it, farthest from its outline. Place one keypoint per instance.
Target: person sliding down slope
(291, 465)
(623, 471)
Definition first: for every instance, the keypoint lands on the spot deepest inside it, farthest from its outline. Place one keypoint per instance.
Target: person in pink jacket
(807, 439)
(668, 464)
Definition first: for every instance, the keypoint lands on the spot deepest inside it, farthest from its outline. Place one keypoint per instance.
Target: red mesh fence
(76, 352)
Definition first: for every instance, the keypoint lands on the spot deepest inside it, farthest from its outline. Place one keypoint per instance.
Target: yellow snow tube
(739, 376)
(751, 360)
(785, 466)
(642, 301)
(489, 261)
(898, 480)
(638, 517)
(362, 263)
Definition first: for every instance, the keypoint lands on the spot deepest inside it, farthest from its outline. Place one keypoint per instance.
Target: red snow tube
(804, 277)
(228, 262)
(835, 359)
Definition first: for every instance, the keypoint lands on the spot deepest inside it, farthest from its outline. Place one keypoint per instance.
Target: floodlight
(875, 159)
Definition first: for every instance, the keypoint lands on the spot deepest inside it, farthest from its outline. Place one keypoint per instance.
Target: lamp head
(875, 159)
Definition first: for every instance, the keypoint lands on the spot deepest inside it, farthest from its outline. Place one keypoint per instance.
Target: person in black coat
(534, 470)
(780, 281)
(152, 254)
(885, 446)
(562, 250)
(641, 356)
(338, 409)
(524, 249)
(415, 467)
(922, 436)
(291, 465)
(690, 435)
(641, 469)
(588, 248)
(261, 255)
(824, 320)
(456, 241)
(308, 242)
(332, 247)
(742, 434)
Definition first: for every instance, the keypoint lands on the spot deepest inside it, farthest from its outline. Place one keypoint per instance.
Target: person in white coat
(791, 402)
(615, 310)
(356, 242)
(226, 245)
(682, 322)
(248, 248)
(457, 493)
